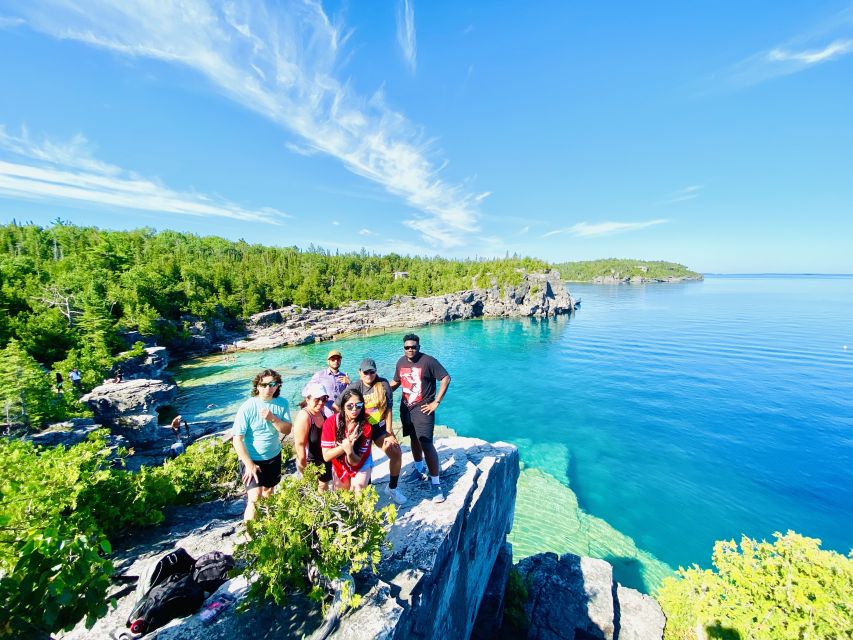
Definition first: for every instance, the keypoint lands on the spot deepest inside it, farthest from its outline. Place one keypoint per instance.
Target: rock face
(432, 583)
(538, 295)
(150, 365)
(573, 597)
(132, 404)
(429, 585)
(619, 279)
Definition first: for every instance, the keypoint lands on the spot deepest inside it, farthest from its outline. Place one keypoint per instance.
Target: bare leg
(252, 496)
(360, 481)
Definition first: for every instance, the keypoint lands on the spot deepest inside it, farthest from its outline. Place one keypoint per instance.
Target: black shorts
(378, 431)
(269, 473)
(417, 423)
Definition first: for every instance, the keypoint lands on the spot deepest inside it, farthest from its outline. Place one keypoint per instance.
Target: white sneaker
(396, 495)
(437, 494)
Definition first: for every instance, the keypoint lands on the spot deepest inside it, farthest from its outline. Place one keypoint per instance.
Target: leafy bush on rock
(787, 589)
(298, 532)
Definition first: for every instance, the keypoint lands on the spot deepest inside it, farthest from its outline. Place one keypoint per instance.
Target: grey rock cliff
(574, 597)
(131, 404)
(429, 585)
(538, 295)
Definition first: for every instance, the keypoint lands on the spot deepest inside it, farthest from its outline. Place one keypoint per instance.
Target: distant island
(615, 271)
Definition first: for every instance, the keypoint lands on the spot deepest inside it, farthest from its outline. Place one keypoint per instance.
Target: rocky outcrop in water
(538, 295)
(132, 405)
(149, 365)
(574, 597)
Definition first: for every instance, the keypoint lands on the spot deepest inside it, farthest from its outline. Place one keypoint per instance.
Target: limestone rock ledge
(429, 585)
(573, 597)
(538, 295)
(131, 404)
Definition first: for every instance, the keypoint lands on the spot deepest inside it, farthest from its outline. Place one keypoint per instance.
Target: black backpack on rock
(175, 597)
(211, 570)
(175, 587)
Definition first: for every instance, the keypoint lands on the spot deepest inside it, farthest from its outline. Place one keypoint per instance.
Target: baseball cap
(333, 353)
(367, 364)
(314, 390)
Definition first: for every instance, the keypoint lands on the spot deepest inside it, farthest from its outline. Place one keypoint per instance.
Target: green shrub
(298, 527)
(55, 522)
(206, 471)
(788, 589)
(515, 597)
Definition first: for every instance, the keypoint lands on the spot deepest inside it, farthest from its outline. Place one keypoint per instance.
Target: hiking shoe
(396, 495)
(416, 476)
(437, 494)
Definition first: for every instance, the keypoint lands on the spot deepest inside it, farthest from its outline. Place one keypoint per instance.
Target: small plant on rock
(299, 532)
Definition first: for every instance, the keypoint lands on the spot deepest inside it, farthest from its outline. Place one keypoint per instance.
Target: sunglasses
(369, 372)
(354, 405)
(272, 385)
(320, 399)
(411, 347)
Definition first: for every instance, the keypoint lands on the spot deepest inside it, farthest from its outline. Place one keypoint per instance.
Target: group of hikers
(74, 376)
(338, 423)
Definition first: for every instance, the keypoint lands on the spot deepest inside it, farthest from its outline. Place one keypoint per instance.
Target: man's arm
(442, 389)
(282, 426)
(250, 469)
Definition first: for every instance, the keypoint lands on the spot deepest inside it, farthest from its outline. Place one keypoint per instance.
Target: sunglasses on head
(272, 385)
(354, 405)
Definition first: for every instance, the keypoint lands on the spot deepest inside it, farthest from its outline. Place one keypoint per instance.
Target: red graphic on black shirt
(410, 380)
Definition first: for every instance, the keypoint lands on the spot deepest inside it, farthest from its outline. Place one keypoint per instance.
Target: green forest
(587, 270)
(68, 294)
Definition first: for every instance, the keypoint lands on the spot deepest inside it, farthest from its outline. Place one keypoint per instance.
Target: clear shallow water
(677, 414)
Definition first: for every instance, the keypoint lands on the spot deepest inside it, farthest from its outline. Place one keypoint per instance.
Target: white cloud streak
(824, 43)
(682, 195)
(280, 63)
(587, 230)
(406, 33)
(67, 173)
(10, 23)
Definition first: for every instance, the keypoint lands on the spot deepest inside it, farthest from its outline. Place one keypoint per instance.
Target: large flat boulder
(132, 404)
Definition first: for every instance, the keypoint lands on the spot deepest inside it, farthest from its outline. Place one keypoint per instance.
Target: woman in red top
(346, 443)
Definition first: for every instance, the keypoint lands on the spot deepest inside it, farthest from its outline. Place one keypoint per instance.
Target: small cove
(656, 420)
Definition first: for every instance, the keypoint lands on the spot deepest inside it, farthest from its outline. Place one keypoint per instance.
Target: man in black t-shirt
(417, 373)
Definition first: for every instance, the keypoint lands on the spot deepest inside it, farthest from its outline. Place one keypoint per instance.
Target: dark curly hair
(263, 374)
(341, 424)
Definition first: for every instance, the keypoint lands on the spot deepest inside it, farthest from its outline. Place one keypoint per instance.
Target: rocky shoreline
(538, 295)
(642, 279)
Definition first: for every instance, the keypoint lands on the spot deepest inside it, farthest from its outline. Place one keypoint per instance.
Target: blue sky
(720, 136)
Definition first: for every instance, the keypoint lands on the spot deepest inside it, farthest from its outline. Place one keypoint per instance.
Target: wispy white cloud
(406, 33)
(825, 42)
(682, 195)
(587, 230)
(67, 173)
(810, 57)
(10, 23)
(282, 63)
(524, 230)
(366, 232)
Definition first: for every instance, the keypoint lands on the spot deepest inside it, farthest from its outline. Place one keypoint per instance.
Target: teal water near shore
(656, 420)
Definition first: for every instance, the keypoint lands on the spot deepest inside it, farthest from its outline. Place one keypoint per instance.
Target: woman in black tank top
(307, 429)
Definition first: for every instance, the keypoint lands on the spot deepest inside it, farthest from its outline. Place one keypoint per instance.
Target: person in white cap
(308, 431)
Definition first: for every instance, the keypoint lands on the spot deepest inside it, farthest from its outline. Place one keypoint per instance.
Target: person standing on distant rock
(75, 377)
(333, 379)
(378, 400)
(256, 439)
(308, 432)
(346, 443)
(59, 382)
(417, 373)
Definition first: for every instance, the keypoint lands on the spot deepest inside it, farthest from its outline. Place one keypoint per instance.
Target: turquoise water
(677, 414)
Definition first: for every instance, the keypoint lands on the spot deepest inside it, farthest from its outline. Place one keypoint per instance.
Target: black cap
(367, 364)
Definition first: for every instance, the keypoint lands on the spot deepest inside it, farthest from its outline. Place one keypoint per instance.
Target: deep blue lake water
(677, 414)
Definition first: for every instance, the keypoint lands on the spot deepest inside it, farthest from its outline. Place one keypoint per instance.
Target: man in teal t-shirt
(257, 440)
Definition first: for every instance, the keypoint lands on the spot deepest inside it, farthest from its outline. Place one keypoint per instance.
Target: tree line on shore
(588, 270)
(68, 294)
